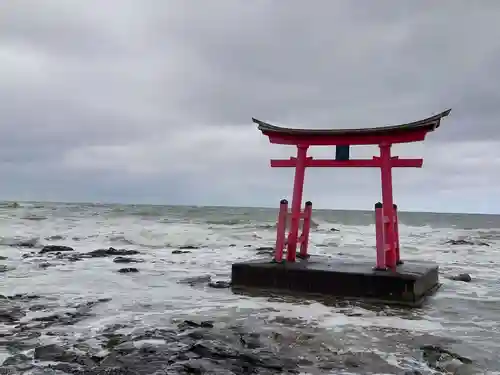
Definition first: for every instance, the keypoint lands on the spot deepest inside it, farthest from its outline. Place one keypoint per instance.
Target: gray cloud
(141, 101)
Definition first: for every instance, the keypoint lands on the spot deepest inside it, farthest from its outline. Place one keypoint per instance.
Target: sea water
(465, 312)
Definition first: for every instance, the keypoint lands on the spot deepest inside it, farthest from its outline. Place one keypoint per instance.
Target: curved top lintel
(426, 125)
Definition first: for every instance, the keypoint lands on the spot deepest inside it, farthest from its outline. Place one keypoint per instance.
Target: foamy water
(464, 311)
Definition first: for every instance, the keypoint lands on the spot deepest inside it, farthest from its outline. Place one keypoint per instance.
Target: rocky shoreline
(185, 347)
(33, 342)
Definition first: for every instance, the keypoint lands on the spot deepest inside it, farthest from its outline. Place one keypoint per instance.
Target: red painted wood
(281, 231)
(386, 222)
(298, 188)
(285, 139)
(360, 163)
(379, 235)
(306, 228)
(387, 205)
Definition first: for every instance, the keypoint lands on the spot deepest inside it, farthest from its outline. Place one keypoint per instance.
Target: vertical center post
(298, 188)
(386, 176)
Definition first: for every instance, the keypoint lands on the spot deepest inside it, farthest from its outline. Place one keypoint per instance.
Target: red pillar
(306, 228)
(379, 233)
(396, 235)
(386, 176)
(298, 188)
(281, 230)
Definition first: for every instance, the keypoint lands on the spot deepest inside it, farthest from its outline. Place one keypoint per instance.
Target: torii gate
(384, 137)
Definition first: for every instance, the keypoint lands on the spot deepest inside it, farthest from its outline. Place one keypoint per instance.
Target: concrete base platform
(409, 284)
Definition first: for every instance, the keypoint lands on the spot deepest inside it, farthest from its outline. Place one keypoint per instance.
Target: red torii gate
(384, 137)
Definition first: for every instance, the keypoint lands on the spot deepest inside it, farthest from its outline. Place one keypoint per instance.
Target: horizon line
(229, 206)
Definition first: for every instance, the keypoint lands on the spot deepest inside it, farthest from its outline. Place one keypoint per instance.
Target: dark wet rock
(101, 253)
(188, 247)
(220, 284)
(127, 260)
(3, 258)
(265, 248)
(442, 359)
(186, 324)
(18, 363)
(180, 252)
(27, 243)
(459, 242)
(20, 297)
(480, 243)
(466, 242)
(264, 252)
(202, 279)
(3, 268)
(128, 270)
(45, 265)
(55, 249)
(334, 230)
(55, 238)
(74, 314)
(201, 347)
(465, 277)
(232, 245)
(10, 313)
(56, 353)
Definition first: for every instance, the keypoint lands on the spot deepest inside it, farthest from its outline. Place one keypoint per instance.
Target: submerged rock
(180, 252)
(442, 359)
(465, 277)
(220, 284)
(127, 260)
(55, 353)
(56, 237)
(55, 249)
(196, 280)
(188, 247)
(101, 253)
(128, 270)
(265, 248)
(466, 242)
(27, 243)
(45, 265)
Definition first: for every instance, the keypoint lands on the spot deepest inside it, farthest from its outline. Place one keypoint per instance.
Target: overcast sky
(150, 101)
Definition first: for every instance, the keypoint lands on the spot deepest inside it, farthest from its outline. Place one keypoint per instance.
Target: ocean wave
(11, 205)
(28, 242)
(493, 234)
(152, 296)
(142, 211)
(173, 237)
(34, 217)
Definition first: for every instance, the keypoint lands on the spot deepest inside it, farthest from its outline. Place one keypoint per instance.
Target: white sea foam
(154, 295)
